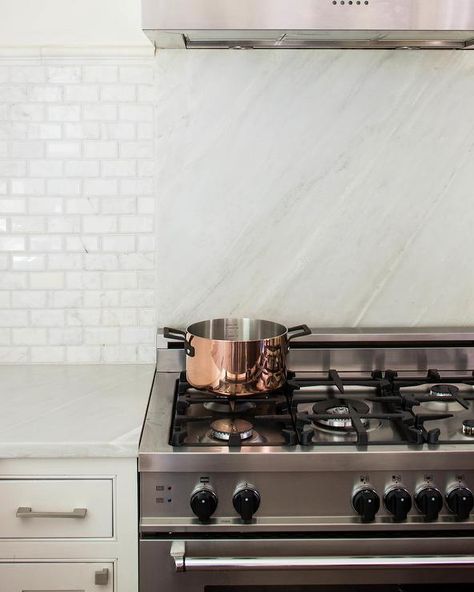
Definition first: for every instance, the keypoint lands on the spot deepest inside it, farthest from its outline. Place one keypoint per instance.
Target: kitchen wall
(77, 202)
(329, 187)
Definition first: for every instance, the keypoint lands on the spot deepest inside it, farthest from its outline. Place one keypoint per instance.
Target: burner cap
(443, 391)
(339, 407)
(221, 429)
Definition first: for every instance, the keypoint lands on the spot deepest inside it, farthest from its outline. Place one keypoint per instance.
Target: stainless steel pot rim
(237, 330)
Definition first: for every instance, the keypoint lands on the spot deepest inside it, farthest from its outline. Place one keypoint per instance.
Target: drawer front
(56, 577)
(56, 508)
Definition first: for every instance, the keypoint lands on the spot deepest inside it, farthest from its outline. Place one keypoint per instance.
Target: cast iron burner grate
(394, 406)
(197, 411)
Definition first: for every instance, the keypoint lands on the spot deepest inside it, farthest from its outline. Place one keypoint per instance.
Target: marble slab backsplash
(330, 187)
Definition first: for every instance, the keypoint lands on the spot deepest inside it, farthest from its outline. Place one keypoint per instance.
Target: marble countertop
(81, 411)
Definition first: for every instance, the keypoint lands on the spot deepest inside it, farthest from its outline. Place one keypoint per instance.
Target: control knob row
(246, 501)
(428, 500)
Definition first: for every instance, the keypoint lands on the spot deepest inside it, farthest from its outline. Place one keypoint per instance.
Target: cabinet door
(56, 577)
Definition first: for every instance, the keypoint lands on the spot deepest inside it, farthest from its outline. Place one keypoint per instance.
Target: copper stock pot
(236, 357)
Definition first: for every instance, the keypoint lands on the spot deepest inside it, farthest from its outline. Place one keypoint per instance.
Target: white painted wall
(88, 24)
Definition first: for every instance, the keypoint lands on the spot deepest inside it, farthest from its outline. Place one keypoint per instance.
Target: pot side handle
(303, 330)
(179, 335)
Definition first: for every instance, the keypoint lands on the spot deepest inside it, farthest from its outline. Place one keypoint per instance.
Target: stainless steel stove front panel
(306, 501)
(199, 565)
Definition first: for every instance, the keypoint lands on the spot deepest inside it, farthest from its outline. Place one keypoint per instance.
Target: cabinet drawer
(56, 508)
(56, 577)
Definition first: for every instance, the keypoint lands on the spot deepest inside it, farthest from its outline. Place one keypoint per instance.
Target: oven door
(302, 564)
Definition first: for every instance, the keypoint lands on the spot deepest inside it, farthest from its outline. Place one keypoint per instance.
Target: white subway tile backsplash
(12, 243)
(28, 224)
(46, 242)
(12, 206)
(100, 73)
(102, 149)
(29, 336)
(44, 131)
(63, 149)
(77, 169)
(47, 318)
(28, 262)
(48, 280)
(45, 94)
(81, 131)
(100, 112)
(100, 186)
(81, 93)
(64, 74)
(118, 92)
(81, 168)
(64, 112)
(99, 224)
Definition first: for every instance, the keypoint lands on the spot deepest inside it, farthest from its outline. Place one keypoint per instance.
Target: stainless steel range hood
(348, 24)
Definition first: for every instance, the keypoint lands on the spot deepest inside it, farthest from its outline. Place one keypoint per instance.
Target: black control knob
(398, 503)
(429, 501)
(460, 502)
(366, 503)
(203, 503)
(246, 501)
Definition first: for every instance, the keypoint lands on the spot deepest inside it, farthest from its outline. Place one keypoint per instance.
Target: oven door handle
(184, 563)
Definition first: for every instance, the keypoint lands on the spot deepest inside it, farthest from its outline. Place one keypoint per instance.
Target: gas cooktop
(380, 407)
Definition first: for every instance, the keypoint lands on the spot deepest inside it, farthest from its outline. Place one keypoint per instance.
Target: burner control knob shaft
(460, 501)
(246, 501)
(429, 501)
(398, 503)
(366, 503)
(203, 502)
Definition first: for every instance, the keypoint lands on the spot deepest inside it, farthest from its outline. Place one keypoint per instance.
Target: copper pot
(236, 357)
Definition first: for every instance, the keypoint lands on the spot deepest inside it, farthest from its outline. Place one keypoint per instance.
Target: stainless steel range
(359, 471)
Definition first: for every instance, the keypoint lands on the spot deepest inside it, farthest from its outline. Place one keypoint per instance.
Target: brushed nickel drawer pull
(24, 512)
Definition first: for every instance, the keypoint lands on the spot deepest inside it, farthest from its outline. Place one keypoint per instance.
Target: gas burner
(468, 427)
(444, 391)
(227, 406)
(339, 407)
(224, 429)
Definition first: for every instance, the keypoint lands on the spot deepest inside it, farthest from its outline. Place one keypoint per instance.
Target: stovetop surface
(341, 397)
(315, 410)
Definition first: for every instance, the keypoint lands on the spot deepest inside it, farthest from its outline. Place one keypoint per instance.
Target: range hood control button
(246, 501)
(203, 502)
(460, 502)
(398, 503)
(429, 502)
(366, 503)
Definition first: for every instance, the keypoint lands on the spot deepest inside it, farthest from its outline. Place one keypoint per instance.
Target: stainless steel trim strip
(288, 563)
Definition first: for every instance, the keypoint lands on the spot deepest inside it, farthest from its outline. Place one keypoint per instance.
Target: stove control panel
(310, 499)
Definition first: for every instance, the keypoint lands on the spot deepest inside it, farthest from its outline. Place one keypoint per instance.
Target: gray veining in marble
(73, 410)
(330, 187)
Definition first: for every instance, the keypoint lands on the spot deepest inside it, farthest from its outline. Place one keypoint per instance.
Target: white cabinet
(65, 520)
(52, 577)
(56, 508)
